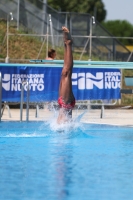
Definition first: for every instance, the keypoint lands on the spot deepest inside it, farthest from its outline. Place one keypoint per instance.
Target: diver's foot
(65, 29)
(66, 34)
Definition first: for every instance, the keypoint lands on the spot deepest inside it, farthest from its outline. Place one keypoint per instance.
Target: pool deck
(118, 116)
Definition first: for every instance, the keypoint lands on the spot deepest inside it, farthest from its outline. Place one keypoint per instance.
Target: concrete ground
(116, 116)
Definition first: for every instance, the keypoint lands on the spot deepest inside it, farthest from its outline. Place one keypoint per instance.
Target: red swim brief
(62, 104)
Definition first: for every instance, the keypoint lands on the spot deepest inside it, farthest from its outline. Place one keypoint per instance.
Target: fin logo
(6, 82)
(87, 80)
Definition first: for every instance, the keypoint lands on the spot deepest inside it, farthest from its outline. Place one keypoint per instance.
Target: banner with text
(88, 84)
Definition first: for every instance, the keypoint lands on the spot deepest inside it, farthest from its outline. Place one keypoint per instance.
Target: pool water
(89, 161)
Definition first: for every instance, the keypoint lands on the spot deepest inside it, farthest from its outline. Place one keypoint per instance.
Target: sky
(119, 9)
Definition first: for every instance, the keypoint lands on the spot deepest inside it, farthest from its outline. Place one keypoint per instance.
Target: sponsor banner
(94, 84)
(88, 84)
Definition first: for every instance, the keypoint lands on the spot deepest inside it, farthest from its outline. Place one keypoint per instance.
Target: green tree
(120, 28)
(93, 7)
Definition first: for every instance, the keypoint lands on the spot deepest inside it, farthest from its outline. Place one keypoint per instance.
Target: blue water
(88, 162)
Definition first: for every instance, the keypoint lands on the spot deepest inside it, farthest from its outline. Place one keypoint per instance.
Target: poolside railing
(22, 100)
(0, 94)
(103, 103)
(85, 64)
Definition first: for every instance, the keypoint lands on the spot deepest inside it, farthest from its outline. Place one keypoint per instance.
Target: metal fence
(89, 38)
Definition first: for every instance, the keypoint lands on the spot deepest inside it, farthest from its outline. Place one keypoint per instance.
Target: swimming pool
(90, 161)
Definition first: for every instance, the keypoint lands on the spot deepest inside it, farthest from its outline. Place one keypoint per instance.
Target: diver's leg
(66, 83)
(65, 90)
(62, 77)
(68, 57)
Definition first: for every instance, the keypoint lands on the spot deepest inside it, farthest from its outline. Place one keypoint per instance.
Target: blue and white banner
(88, 84)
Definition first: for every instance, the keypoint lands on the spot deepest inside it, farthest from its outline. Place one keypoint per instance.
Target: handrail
(0, 94)
(27, 102)
(102, 104)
